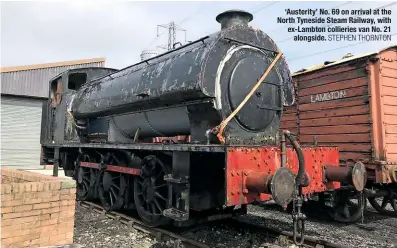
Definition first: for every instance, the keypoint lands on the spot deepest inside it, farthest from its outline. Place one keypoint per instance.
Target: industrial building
(23, 91)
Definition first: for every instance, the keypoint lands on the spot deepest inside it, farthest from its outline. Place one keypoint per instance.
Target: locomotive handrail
(218, 130)
(249, 44)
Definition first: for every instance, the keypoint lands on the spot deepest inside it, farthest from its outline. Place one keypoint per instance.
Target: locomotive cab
(56, 124)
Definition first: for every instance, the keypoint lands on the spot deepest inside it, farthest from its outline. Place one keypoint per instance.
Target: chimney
(232, 18)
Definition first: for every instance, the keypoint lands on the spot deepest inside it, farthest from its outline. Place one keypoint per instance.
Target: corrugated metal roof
(32, 80)
(343, 60)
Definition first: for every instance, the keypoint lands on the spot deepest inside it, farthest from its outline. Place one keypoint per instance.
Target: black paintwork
(144, 96)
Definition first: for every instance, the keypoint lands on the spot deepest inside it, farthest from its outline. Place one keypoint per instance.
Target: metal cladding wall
(33, 81)
(23, 90)
(351, 104)
(20, 131)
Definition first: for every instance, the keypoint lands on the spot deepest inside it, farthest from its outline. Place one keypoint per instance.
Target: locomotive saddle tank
(192, 89)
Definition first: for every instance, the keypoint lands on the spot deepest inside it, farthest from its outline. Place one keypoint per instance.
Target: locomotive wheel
(111, 190)
(151, 191)
(347, 211)
(112, 185)
(86, 179)
(388, 203)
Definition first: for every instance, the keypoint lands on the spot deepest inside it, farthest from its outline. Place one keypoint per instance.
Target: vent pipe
(232, 18)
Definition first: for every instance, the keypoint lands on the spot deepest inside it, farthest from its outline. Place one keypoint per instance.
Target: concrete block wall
(36, 210)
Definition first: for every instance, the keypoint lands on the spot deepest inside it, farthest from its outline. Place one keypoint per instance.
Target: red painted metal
(126, 170)
(115, 168)
(243, 161)
(90, 165)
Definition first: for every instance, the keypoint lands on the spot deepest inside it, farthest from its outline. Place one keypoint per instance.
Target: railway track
(284, 238)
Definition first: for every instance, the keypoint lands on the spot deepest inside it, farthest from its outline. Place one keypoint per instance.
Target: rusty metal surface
(244, 161)
(258, 182)
(354, 176)
(315, 159)
(282, 186)
(142, 146)
(34, 82)
(114, 168)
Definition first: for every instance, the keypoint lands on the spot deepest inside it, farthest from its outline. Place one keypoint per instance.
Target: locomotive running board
(144, 146)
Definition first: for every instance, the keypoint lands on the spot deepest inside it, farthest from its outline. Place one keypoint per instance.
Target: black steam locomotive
(226, 91)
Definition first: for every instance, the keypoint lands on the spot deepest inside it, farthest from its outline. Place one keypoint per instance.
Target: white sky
(44, 32)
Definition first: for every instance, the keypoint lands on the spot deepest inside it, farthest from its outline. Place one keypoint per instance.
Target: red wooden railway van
(351, 103)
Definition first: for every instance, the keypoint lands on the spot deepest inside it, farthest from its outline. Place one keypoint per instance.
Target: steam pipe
(301, 178)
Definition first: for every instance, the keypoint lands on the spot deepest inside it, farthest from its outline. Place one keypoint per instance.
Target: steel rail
(159, 234)
(284, 237)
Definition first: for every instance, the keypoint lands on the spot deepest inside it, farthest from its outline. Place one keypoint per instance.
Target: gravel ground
(92, 231)
(222, 235)
(376, 231)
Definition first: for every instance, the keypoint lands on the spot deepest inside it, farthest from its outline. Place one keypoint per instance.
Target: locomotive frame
(214, 176)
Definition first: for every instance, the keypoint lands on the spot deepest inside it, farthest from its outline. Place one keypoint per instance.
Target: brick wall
(36, 210)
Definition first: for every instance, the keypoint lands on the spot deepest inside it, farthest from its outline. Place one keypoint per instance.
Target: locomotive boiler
(190, 90)
(227, 92)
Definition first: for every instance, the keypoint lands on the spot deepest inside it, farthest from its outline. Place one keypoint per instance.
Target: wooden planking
(392, 129)
(359, 91)
(390, 82)
(391, 139)
(336, 130)
(389, 64)
(390, 119)
(289, 117)
(355, 119)
(347, 111)
(390, 110)
(389, 72)
(355, 156)
(343, 122)
(389, 94)
(390, 100)
(289, 111)
(392, 157)
(345, 84)
(289, 124)
(331, 78)
(334, 104)
(390, 91)
(345, 138)
(350, 147)
(326, 72)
